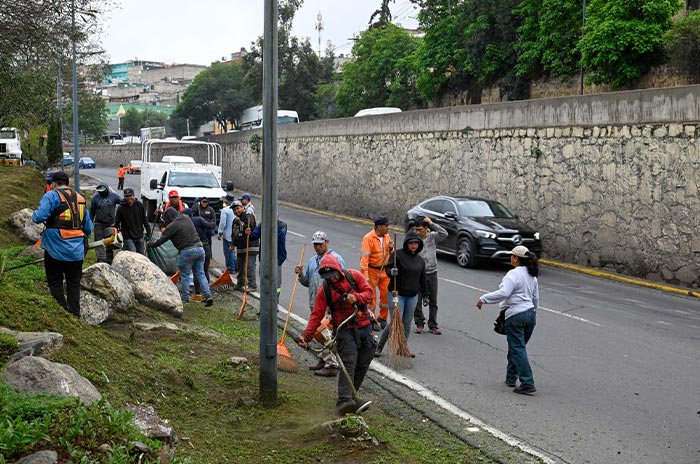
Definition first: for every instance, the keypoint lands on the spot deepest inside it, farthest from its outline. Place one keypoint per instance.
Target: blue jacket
(311, 278)
(72, 249)
(226, 223)
(281, 240)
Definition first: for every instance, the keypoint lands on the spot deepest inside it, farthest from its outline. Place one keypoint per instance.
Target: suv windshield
(482, 208)
(193, 179)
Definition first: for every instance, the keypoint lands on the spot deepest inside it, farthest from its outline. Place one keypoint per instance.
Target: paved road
(616, 366)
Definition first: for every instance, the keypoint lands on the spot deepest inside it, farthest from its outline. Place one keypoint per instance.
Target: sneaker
(238, 287)
(376, 327)
(327, 372)
(382, 323)
(419, 329)
(436, 331)
(524, 391)
(209, 302)
(320, 365)
(346, 408)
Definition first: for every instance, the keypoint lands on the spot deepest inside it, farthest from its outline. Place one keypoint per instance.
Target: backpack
(353, 284)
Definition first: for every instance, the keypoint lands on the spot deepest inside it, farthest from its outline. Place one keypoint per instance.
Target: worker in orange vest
(377, 246)
(121, 174)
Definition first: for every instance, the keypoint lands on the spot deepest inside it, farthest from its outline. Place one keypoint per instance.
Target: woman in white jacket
(519, 295)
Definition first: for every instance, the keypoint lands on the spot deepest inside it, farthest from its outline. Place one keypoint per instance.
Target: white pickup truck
(181, 173)
(10, 147)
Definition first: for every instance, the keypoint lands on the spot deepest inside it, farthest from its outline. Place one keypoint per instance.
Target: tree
(382, 72)
(682, 43)
(623, 39)
(383, 15)
(153, 118)
(92, 115)
(132, 122)
(54, 148)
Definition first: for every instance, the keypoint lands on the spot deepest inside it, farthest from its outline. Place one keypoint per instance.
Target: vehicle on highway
(10, 147)
(379, 110)
(67, 159)
(478, 229)
(134, 167)
(252, 118)
(86, 163)
(189, 137)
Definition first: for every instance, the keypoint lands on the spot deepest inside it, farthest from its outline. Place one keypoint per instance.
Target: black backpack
(327, 290)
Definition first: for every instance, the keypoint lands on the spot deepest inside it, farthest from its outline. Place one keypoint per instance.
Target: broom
(245, 275)
(285, 362)
(399, 355)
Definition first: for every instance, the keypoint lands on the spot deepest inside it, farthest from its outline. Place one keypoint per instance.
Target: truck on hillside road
(181, 173)
(10, 147)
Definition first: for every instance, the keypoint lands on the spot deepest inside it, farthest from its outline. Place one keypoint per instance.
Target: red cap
(173, 193)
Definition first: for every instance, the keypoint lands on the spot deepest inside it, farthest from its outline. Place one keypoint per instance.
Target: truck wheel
(466, 253)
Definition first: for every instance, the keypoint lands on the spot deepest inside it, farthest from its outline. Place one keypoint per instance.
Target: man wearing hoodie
(431, 234)
(103, 208)
(180, 230)
(132, 222)
(407, 271)
(355, 342)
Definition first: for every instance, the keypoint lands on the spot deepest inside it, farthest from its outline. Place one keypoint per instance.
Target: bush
(682, 44)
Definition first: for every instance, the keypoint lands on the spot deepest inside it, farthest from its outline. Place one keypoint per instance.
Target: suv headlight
(485, 234)
(537, 235)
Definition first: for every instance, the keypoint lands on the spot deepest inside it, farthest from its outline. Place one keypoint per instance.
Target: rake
(285, 362)
(224, 282)
(245, 276)
(399, 355)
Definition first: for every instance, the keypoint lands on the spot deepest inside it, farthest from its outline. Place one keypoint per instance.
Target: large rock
(93, 309)
(34, 343)
(146, 419)
(21, 222)
(40, 457)
(34, 374)
(103, 281)
(151, 286)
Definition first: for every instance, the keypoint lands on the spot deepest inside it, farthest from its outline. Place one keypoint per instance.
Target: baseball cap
(235, 203)
(102, 188)
(319, 237)
(128, 192)
(204, 199)
(60, 176)
(327, 272)
(173, 193)
(521, 251)
(245, 196)
(381, 221)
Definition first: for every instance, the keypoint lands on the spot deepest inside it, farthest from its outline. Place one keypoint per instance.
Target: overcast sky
(203, 31)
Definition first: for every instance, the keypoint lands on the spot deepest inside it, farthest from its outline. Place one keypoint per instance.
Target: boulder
(21, 222)
(33, 251)
(151, 286)
(34, 374)
(40, 457)
(146, 419)
(93, 309)
(34, 343)
(103, 281)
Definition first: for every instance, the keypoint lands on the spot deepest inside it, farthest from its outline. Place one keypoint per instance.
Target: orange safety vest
(167, 205)
(121, 173)
(69, 218)
(372, 253)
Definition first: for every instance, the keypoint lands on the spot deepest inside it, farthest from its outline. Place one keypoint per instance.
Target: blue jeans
(229, 257)
(135, 245)
(192, 260)
(407, 305)
(519, 328)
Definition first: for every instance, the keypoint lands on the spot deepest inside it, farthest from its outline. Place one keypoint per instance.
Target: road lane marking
(297, 234)
(570, 316)
(663, 323)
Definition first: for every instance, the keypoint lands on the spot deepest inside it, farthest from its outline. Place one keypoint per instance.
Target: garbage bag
(165, 257)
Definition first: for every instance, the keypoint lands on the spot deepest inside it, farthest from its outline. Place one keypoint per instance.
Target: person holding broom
(407, 269)
(348, 292)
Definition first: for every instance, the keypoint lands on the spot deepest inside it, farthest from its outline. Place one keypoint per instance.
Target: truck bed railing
(215, 153)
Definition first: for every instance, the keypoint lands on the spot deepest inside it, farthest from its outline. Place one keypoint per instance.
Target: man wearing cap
(327, 365)
(203, 210)
(180, 230)
(103, 207)
(355, 341)
(242, 243)
(225, 231)
(132, 222)
(68, 225)
(377, 247)
(121, 174)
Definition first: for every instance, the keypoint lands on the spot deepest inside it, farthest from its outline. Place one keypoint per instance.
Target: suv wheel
(465, 253)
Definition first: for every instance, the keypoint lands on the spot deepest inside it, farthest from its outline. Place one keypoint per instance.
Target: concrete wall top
(650, 106)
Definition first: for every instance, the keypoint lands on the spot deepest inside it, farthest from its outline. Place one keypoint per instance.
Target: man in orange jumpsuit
(121, 174)
(376, 249)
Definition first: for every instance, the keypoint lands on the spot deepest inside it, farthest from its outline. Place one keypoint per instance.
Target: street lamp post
(76, 144)
(583, 25)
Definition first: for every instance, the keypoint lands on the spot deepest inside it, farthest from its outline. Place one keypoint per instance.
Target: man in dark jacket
(202, 209)
(103, 208)
(180, 230)
(131, 221)
(241, 222)
(203, 228)
(256, 233)
(356, 344)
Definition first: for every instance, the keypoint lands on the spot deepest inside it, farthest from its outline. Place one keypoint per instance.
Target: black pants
(356, 359)
(72, 271)
(207, 261)
(418, 315)
(120, 186)
(104, 254)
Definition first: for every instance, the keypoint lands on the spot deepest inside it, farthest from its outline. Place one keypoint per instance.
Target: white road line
(441, 402)
(294, 233)
(663, 323)
(570, 316)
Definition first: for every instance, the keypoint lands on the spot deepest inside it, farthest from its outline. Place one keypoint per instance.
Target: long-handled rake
(285, 362)
(399, 355)
(224, 282)
(245, 276)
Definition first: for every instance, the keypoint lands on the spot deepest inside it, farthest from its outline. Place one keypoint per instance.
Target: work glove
(426, 301)
(394, 272)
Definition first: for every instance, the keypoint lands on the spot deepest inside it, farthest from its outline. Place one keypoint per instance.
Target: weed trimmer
(399, 355)
(285, 362)
(329, 340)
(245, 275)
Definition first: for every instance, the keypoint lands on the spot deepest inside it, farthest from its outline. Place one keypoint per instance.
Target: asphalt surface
(615, 365)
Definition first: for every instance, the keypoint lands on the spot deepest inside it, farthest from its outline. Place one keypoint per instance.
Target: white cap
(520, 251)
(319, 237)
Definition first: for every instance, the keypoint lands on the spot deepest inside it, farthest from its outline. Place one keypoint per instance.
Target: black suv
(478, 229)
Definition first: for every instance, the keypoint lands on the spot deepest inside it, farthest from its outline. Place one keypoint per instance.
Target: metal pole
(583, 25)
(76, 147)
(59, 104)
(268, 245)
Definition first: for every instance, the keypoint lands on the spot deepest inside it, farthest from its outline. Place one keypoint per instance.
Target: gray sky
(203, 31)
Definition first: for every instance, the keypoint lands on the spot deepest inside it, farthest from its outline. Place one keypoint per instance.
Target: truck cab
(10, 147)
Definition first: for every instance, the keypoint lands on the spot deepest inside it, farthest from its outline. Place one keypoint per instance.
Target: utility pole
(583, 25)
(319, 28)
(268, 244)
(76, 145)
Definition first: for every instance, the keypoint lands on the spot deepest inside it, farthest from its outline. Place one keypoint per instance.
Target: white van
(379, 110)
(251, 118)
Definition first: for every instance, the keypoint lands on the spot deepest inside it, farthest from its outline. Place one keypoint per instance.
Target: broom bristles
(285, 362)
(399, 355)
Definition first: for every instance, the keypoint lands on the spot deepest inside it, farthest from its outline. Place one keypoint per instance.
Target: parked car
(478, 229)
(134, 167)
(67, 160)
(380, 110)
(86, 163)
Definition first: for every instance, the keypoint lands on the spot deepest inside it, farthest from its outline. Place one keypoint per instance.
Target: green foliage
(623, 39)
(153, 118)
(382, 73)
(132, 122)
(8, 346)
(92, 115)
(682, 43)
(54, 147)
